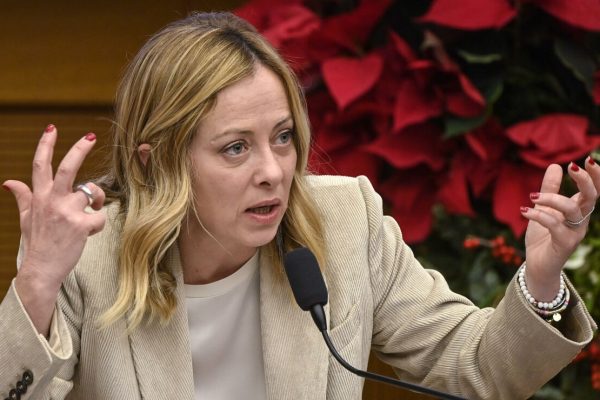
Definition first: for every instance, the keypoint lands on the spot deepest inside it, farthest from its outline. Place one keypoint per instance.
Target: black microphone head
(305, 278)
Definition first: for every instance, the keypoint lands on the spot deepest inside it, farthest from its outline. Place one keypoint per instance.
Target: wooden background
(60, 63)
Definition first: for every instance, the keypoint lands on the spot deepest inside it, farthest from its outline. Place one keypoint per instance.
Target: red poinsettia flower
(286, 25)
(348, 78)
(339, 137)
(470, 14)
(580, 13)
(553, 138)
(426, 88)
(412, 194)
(416, 145)
(345, 34)
(487, 146)
(512, 189)
(454, 192)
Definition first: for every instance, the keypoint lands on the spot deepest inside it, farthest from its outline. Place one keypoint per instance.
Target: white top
(225, 336)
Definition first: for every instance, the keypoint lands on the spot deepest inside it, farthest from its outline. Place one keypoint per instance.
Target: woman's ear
(143, 151)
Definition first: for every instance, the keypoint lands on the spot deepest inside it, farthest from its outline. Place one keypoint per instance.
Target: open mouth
(261, 210)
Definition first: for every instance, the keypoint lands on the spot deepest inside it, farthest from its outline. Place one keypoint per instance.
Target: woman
(181, 294)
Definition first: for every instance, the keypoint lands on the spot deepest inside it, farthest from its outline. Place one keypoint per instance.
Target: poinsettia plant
(454, 110)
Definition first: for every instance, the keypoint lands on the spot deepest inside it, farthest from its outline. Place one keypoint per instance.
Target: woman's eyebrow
(248, 131)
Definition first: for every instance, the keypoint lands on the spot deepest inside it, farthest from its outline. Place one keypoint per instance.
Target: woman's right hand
(54, 225)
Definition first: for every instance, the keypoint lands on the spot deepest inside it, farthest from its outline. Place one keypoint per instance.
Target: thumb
(21, 192)
(552, 179)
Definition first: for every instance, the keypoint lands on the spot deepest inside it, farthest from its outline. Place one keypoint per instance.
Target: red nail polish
(524, 209)
(49, 128)
(574, 167)
(534, 195)
(90, 136)
(5, 187)
(591, 161)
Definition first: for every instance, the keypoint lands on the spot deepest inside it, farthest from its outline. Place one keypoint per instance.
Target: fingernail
(90, 136)
(591, 161)
(49, 128)
(6, 187)
(524, 209)
(574, 167)
(534, 195)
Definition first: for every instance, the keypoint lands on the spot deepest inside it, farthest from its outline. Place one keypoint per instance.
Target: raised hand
(55, 224)
(557, 224)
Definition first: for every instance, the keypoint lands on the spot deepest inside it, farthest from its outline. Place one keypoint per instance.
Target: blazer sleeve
(434, 336)
(43, 367)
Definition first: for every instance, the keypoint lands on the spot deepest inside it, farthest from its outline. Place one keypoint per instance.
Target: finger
(41, 175)
(557, 205)
(70, 164)
(21, 192)
(549, 221)
(96, 222)
(552, 179)
(588, 192)
(97, 197)
(593, 169)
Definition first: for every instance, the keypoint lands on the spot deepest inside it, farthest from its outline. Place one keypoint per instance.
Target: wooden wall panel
(60, 64)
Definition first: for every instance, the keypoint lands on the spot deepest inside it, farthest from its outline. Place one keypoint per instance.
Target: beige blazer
(380, 299)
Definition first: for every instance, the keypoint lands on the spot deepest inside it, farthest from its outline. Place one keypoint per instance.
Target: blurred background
(452, 109)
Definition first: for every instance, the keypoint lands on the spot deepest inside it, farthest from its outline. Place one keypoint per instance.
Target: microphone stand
(318, 316)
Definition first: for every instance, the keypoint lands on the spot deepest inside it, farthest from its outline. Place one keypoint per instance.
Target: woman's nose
(269, 170)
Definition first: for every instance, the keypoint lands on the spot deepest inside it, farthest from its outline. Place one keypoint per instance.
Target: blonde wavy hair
(170, 85)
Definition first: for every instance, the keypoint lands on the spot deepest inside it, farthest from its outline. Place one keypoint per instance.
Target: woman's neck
(204, 260)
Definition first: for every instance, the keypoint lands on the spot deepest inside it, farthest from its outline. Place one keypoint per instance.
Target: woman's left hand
(557, 224)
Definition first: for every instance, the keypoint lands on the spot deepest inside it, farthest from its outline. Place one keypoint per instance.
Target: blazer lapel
(161, 354)
(294, 353)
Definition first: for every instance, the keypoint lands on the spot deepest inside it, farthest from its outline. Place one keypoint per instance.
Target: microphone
(310, 292)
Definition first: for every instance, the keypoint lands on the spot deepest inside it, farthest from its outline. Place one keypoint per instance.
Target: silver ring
(575, 224)
(88, 193)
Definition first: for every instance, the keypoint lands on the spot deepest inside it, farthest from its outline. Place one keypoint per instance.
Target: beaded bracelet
(547, 310)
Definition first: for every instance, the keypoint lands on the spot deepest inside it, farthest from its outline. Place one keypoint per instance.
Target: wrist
(544, 286)
(38, 298)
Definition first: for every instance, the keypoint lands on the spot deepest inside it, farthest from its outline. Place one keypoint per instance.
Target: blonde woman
(172, 286)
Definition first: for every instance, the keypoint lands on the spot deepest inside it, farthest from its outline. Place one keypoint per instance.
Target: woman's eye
(285, 136)
(235, 149)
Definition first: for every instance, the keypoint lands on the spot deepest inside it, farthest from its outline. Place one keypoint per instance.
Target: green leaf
(479, 58)
(577, 60)
(457, 126)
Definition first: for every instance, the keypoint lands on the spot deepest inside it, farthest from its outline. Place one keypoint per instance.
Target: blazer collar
(161, 354)
(294, 354)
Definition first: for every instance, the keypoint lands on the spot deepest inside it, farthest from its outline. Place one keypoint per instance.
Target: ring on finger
(88, 193)
(575, 224)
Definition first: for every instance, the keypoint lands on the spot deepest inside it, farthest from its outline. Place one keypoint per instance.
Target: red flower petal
(512, 190)
(552, 133)
(488, 141)
(417, 145)
(349, 78)
(412, 197)
(257, 12)
(581, 13)
(470, 14)
(454, 193)
(542, 159)
(466, 103)
(352, 29)
(290, 22)
(403, 48)
(346, 162)
(414, 105)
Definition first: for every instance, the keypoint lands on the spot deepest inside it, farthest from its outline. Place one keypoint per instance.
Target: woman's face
(243, 160)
